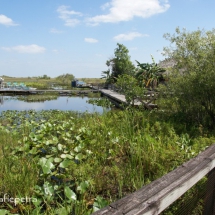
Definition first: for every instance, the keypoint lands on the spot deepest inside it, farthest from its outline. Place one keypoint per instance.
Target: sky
(55, 37)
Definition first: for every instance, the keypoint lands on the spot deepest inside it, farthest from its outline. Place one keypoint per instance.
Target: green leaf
(69, 156)
(62, 211)
(69, 193)
(65, 163)
(99, 203)
(46, 165)
(78, 148)
(79, 156)
(48, 189)
(68, 134)
(57, 160)
(83, 186)
(4, 212)
(63, 155)
(60, 147)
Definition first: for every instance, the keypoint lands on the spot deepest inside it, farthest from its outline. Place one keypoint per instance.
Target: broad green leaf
(78, 148)
(69, 193)
(83, 186)
(48, 189)
(79, 156)
(57, 160)
(69, 156)
(60, 147)
(63, 155)
(65, 163)
(46, 165)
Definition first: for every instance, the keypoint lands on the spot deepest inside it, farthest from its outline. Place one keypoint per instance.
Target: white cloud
(90, 40)
(66, 15)
(125, 10)
(55, 31)
(32, 49)
(106, 5)
(4, 20)
(129, 36)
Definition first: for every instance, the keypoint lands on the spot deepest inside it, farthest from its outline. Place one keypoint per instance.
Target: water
(62, 103)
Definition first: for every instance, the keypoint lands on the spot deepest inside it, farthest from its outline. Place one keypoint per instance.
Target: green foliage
(44, 77)
(107, 76)
(65, 79)
(103, 102)
(77, 163)
(120, 64)
(37, 84)
(192, 79)
(38, 98)
(149, 74)
(128, 85)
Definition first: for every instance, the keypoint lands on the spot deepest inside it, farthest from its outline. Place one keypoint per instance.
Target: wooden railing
(155, 197)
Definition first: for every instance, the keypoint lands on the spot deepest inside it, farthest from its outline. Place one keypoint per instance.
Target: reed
(75, 162)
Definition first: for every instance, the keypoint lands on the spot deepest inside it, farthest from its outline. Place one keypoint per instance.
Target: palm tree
(106, 75)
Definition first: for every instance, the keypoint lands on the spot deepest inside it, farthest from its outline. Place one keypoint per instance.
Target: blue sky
(55, 37)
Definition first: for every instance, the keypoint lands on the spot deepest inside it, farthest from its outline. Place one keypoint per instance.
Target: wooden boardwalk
(117, 97)
(61, 92)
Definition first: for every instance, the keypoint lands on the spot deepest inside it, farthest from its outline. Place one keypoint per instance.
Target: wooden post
(209, 208)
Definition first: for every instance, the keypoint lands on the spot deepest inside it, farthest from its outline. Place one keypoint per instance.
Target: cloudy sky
(55, 37)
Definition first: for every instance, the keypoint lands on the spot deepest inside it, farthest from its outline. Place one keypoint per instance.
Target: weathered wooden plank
(121, 98)
(155, 197)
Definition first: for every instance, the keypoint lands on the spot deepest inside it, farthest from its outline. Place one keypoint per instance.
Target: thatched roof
(167, 63)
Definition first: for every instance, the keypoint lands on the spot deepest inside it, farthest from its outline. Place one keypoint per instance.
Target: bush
(191, 86)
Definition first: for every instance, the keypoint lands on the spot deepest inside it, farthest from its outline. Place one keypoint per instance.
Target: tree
(121, 63)
(66, 78)
(44, 77)
(128, 85)
(107, 76)
(192, 79)
(149, 74)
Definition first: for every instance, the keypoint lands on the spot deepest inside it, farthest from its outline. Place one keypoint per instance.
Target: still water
(61, 103)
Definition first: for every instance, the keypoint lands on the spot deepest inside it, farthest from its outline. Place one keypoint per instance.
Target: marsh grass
(87, 160)
(47, 83)
(18, 175)
(38, 98)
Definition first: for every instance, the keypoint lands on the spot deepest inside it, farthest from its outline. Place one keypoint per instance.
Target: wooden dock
(61, 92)
(120, 98)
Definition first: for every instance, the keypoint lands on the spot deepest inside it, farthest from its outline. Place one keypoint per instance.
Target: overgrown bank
(71, 162)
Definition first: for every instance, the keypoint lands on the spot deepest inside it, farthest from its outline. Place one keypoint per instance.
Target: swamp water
(61, 103)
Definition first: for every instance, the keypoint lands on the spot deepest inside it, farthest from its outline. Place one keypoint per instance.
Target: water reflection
(62, 103)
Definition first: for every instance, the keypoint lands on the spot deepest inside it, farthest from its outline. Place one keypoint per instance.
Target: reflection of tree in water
(2, 100)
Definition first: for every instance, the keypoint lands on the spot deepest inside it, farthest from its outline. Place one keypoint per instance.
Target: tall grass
(18, 174)
(111, 155)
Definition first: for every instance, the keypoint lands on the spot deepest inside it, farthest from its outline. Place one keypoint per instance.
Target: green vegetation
(39, 98)
(192, 79)
(77, 163)
(149, 75)
(119, 65)
(65, 79)
(45, 82)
